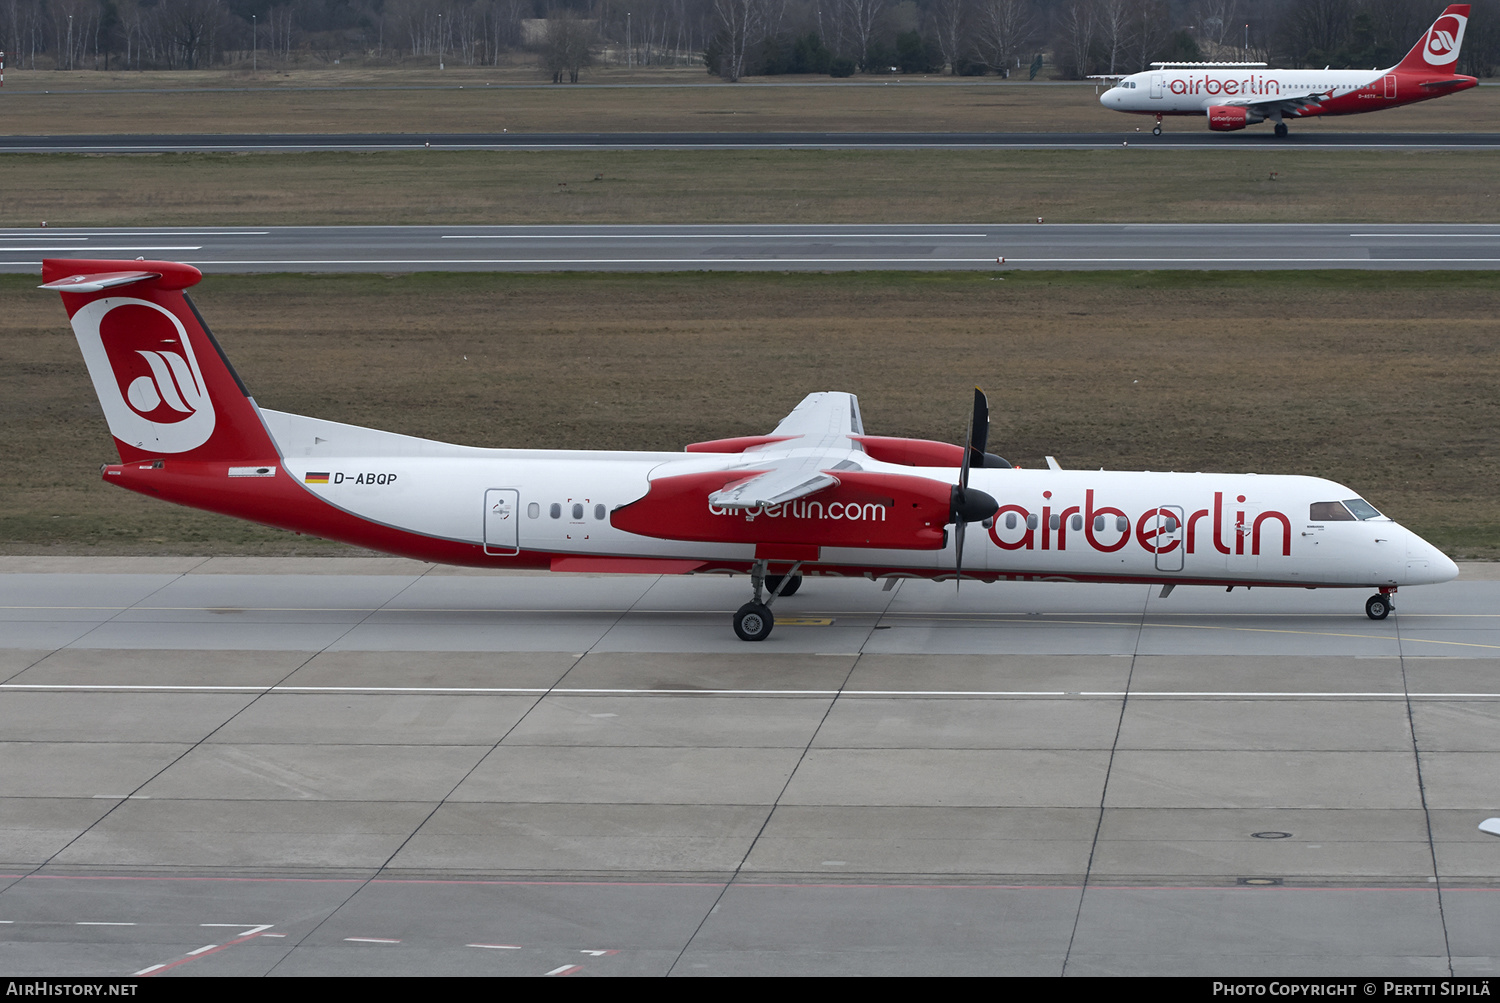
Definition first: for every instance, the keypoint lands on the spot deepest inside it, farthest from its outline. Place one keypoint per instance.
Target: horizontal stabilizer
(99, 282)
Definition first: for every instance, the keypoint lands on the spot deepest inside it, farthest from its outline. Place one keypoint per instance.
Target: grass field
(1383, 381)
(1129, 184)
(477, 99)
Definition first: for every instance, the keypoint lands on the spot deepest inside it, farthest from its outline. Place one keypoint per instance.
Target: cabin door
(502, 514)
(1165, 531)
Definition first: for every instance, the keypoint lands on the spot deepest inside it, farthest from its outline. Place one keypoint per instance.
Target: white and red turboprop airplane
(815, 496)
(1234, 95)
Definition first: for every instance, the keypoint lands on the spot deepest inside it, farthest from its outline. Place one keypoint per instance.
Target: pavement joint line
(1416, 752)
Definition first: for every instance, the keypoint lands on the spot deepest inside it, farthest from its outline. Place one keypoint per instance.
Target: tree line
(733, 38)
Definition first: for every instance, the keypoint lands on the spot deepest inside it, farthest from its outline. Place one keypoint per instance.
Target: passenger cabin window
(1077, 522)
(1329, 512)
(555, 511)
(533, 510)
(1032, 522)
(1010, 520)
(599, 512)
(577, 510)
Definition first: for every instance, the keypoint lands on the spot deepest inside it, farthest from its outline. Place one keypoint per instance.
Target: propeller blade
(979, 429)
(958, 552)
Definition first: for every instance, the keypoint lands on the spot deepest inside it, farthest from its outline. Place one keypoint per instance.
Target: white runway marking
(497, 947)
(205, 947)
(644, 691)
(371, 940)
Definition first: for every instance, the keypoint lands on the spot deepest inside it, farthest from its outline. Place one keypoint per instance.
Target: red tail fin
(163, 382)
(1438, 49)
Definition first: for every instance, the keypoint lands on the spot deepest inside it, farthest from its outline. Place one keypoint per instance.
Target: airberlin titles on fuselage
(1252, 84)
(1108, 529)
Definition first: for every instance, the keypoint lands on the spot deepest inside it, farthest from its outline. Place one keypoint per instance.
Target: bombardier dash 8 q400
(815, 496)
(1234, 95)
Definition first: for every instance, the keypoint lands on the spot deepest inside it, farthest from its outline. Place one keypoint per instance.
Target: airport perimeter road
(1190, 136)
(781, 248)
(377, 767)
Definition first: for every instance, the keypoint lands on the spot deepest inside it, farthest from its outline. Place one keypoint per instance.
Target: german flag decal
(316, 478)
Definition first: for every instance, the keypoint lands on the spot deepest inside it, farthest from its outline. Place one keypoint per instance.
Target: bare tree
(1080, 29)
(568, 46)
(1001, 28)
(862, 17)
(740, 22)
(1150, 26)
(1114, 17)
(951, 23)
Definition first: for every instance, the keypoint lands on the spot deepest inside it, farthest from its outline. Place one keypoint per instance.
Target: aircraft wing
(788, 479)
(1290, 105)
(823, 416)
(817, 439)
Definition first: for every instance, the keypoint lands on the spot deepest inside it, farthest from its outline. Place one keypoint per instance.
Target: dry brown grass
(1386, 382)
(477, 99)
(1118, 185)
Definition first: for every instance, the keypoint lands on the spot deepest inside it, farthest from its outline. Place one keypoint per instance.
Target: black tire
(1280, 130)
(1378, 607)
(774, 581)
(753, 622)
(1156, 131)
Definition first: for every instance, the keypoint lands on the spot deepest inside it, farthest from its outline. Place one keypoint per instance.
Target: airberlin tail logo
(1443, 40)
(145, 373)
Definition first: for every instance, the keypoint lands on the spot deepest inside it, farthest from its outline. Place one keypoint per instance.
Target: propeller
(968, 504)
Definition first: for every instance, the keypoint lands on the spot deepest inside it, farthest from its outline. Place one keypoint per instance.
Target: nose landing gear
(1378, 607)
(753, 621)
(1157, 131)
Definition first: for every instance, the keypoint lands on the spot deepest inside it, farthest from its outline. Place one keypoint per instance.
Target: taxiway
(378, 767)
(772, 247)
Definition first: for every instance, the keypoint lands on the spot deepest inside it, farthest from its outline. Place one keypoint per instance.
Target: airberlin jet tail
(1438, 49)
(165, 386)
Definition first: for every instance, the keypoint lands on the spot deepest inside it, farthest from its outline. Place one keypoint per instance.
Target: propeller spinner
(970, 504)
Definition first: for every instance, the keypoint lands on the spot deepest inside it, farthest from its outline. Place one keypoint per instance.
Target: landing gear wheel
(1378, 607)
(1280, 130)
(1156, 131)
(753, 622)
(773, 582)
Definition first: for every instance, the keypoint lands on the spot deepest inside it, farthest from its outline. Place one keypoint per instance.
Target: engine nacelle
(1227, 118)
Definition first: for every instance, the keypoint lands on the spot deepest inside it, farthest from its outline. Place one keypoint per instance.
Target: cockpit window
(1361, 508)
(1329, 512)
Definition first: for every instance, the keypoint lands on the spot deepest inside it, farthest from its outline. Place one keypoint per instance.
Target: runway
(1187, 133)
(378, 767)
(986, 246)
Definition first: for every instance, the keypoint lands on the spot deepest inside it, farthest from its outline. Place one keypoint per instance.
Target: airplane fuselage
(563, 510)
(1345, 92)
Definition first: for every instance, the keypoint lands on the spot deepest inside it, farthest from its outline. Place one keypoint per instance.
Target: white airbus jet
(815, 496)
(1234, 95)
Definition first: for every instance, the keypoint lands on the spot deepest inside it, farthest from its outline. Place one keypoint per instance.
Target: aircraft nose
(1427, 564)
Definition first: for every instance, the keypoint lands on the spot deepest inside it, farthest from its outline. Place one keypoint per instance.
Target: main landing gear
(1280, 130)
(1378, 607)
(753, 621)
(1157, 131)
